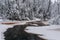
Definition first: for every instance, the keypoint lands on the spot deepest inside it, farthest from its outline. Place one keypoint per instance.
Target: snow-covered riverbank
(3, 28)
(49, 32)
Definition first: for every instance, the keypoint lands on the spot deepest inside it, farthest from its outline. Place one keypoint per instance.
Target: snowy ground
(3, 28)
(49, 32)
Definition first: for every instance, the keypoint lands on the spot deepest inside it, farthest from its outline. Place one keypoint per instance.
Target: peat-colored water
(18, 33)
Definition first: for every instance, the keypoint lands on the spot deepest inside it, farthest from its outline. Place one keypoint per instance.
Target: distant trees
(26, 9)
(55, 13)
(46, 9)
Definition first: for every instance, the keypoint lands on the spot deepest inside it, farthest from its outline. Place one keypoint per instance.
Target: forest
(45, 10)
(28, 9)
(29, 19)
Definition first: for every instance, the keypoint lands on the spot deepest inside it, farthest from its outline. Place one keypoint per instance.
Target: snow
(47, 31)
(0, 19)
(3, 28)
(53, 0)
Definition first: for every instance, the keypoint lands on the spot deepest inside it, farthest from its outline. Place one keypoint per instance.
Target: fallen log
(9, 23)
(39, 23)
(30, 23)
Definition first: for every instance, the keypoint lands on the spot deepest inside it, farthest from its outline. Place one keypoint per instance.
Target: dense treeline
(25, 9)
(30, 10)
